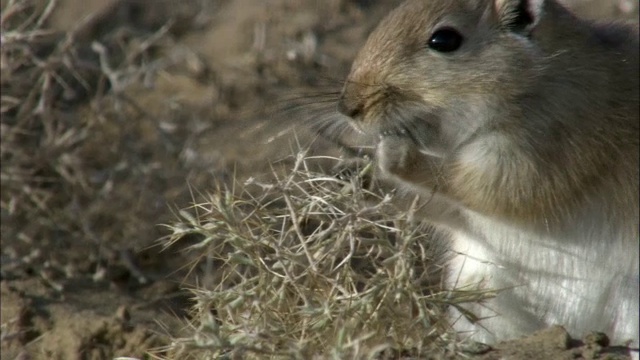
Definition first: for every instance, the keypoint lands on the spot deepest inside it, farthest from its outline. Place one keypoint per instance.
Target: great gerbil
(518, 124)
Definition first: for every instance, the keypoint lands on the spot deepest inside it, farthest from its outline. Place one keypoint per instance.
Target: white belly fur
(579, 279)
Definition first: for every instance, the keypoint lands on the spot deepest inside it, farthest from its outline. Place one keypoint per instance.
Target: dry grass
(314, 267)
(305, 266)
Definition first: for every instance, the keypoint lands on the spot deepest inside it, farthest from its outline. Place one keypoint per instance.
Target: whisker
(333, 95)
(349, 81)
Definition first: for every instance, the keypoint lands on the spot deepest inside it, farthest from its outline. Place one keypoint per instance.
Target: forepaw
(355, 170)
(397, 155)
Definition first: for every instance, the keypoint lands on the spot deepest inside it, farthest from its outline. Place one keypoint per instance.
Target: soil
(242, 75)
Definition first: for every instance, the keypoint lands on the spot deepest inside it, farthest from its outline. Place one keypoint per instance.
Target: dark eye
(445, 40)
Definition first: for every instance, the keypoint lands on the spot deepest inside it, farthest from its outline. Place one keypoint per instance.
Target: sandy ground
(236, 76)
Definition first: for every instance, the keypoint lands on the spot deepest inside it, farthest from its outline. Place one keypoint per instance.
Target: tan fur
(527, 145)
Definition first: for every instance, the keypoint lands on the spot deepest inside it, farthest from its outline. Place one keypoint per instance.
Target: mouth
(423, 131)
(417, 123)
(355, 125)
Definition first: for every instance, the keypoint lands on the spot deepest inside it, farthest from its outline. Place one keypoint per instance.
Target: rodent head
(435, 69)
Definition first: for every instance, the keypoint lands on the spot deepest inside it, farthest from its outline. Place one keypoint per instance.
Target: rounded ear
(520, 16)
